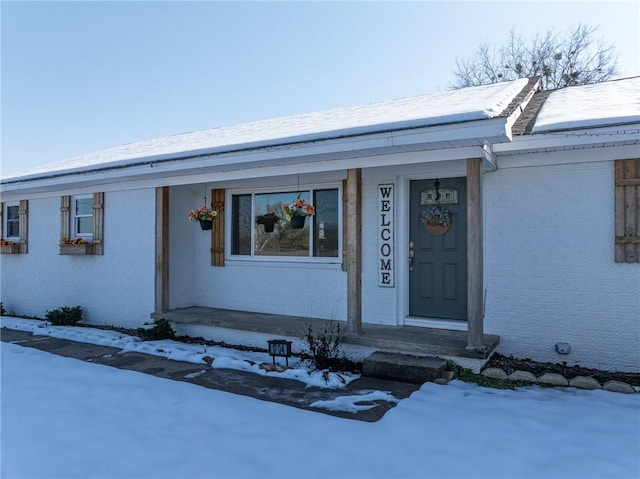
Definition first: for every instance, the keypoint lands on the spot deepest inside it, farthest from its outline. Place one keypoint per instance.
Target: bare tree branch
(575, 58)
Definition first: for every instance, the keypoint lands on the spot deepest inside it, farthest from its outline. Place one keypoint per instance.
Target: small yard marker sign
(281, 348)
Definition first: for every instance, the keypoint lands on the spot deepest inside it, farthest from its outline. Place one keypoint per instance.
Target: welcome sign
(385, 236)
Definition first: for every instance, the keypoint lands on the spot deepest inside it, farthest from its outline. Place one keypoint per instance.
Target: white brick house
(540, 245)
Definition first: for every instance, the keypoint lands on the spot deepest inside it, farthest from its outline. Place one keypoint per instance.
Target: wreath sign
(436, 220)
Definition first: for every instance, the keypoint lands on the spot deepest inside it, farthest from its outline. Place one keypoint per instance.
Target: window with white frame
(82, 217)
(82, 224)
(253, 236)
(11, 225)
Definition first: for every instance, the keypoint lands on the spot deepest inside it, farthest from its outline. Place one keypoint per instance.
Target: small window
(13, 227)
(83, 217)
(259, 227)
(82, 224)
(12, 221)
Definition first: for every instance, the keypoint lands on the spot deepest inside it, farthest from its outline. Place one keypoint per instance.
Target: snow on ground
(64, 418)
(227, 358)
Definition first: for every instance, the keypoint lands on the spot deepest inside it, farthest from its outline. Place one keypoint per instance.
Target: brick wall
(114, 288)
(550, 273)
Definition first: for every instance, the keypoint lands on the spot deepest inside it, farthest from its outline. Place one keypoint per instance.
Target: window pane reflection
(259, 218)
(283, 240)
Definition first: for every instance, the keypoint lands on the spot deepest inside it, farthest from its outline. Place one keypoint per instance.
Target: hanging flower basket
(206, 224)
(436, 220)
(297, 222)
(297, 212)
(204, 216)
(269, 221)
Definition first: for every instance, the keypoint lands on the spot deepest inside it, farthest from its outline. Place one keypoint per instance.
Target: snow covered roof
(448, 107)
(597, 105)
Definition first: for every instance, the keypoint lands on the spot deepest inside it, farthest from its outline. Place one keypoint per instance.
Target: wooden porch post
(475, 307)
(162, 249)
(354, 248)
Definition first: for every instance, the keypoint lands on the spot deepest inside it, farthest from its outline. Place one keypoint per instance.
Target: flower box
(10, 249)
(77, 249)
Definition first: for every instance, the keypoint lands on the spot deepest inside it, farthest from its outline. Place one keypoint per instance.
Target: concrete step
(401, 367)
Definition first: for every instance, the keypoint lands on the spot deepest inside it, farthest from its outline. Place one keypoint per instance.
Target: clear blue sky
(80, 76)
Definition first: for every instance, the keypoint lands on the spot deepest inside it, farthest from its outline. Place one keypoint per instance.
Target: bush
(65, 316)
(161, 330)
(2, 310)
(325, 347)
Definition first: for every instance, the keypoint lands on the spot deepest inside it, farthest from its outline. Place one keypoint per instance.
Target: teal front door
(438, 249)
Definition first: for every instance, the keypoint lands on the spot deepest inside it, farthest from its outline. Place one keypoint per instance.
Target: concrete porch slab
(408, 340)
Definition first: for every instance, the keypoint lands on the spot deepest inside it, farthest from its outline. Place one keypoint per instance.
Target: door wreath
(436, 220)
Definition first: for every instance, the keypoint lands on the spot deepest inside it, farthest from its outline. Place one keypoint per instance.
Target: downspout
(490, 158)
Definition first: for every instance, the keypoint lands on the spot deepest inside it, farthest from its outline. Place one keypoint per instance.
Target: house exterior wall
(550, 274)
(296, 288)
(114, 288)
(549, 269)
(183, 250)
(308, 288)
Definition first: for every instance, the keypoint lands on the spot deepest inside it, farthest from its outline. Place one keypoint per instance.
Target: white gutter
(588, 138)
(358, 149)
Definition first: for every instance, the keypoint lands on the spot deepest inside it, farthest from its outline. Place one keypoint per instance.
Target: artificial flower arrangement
(203, 214)
(298, 208)
(436, 216)
(64, 240)
(6, 243)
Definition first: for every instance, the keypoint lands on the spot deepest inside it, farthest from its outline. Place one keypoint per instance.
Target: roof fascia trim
(223, 174)
(492, 130)
(607, 136)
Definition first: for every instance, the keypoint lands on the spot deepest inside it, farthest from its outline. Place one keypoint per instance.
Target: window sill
(77, 249)
(307, 263)
(10, 249)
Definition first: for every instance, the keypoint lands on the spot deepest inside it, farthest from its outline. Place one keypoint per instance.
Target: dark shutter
(98, 223)
(627, 215)
(217, 232)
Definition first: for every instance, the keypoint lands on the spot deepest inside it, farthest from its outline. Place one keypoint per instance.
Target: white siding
(550, 274)
(115, 288)
(301, 289)
(183, 251)
(307, 288)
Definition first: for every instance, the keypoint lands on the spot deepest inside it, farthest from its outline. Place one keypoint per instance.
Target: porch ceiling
(410, 340)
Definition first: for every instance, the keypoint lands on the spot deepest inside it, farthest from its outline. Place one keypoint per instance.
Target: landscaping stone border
(547, 379)
(555, 379)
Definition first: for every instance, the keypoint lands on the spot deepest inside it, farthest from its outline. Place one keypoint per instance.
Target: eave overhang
(611, 136)
(342, 152)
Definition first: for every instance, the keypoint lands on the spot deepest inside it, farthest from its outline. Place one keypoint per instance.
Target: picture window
(251, 237)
